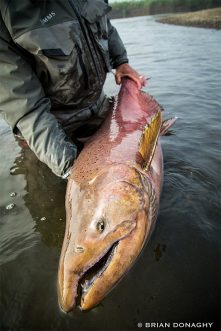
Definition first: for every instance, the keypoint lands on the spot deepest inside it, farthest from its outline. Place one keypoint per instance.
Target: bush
(154, 6)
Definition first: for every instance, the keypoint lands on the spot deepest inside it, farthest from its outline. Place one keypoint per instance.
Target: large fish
(112, 199)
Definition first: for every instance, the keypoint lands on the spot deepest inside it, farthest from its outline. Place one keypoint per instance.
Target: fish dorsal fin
(149, 138)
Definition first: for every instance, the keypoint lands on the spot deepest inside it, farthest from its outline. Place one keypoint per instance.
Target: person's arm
(26, 109)
(119, 59)
(117, 51)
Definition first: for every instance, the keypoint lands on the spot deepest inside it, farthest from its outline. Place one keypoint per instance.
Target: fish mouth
(93, 273)
(79, 276)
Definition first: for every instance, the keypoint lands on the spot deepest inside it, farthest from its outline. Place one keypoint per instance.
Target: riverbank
(210, 18)
(129, 8)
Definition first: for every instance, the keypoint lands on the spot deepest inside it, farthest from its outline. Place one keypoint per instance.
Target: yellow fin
(149, 138)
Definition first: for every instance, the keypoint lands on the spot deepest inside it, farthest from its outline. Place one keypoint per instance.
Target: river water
(176, 278)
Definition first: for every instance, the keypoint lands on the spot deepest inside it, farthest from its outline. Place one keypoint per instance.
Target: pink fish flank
(118, 139)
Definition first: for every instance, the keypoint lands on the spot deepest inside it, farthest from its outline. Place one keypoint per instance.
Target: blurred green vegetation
(145, 7)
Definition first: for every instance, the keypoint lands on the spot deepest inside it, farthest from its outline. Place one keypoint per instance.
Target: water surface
(176, 279)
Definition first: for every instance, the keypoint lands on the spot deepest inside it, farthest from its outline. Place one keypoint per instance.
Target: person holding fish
(53, 64)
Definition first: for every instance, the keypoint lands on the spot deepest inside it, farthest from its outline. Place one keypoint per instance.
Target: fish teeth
(85, 285)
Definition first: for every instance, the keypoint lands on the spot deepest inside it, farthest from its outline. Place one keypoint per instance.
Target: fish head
(105, 232)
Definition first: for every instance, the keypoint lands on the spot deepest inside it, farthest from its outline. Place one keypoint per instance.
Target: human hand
(125, 70)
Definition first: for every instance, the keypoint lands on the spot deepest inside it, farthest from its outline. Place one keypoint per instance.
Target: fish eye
(100, 225)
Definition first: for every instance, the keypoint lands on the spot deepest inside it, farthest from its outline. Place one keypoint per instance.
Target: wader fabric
(54, 56)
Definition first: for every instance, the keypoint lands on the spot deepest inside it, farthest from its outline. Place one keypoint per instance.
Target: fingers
(125, 70)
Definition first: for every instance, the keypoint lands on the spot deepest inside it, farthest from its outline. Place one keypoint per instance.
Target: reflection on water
(44, 197)
(177, 276)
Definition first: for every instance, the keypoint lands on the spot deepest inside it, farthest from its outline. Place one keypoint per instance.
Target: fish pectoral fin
(166, 125)
(149, 138)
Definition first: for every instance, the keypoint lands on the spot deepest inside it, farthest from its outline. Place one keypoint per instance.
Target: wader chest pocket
(57, 50)
(54, 40)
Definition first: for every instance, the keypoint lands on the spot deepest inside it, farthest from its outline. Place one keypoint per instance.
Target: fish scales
(118, 139)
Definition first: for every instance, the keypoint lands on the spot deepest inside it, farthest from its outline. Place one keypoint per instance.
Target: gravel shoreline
(209, 18)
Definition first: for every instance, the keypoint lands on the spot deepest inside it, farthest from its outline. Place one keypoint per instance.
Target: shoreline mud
(209, 18)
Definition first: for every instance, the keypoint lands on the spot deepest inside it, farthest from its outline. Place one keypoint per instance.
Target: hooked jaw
(73, 286)
(87, 282)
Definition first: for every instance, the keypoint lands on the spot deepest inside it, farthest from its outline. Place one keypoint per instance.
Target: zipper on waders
(79, 51)
(97, 50)
(85, 36)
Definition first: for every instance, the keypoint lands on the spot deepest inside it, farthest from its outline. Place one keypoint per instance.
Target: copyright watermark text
(175, 325)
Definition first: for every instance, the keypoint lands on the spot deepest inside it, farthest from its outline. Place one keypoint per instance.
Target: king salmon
(112, 199)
